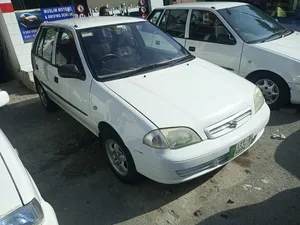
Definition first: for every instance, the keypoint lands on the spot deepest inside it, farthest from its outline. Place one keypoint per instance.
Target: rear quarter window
(155, 16)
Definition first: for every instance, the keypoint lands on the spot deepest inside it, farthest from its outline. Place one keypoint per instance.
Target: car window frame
(36, 41)
(168, 11)
(222, 20)
(41, 39)
(62, 29)
(153, 13)
(53, 46)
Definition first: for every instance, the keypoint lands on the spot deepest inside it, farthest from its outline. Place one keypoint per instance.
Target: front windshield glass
(252, 24)
(128, 48)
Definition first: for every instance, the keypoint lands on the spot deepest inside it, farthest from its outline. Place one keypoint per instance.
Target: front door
(209, 39)
(173, 22)
(75, 92)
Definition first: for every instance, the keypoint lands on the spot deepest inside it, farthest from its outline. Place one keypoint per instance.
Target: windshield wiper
(160, 65)
(183, 59)
(271, 36)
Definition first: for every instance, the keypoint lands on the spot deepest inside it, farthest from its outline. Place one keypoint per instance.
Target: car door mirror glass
(69, 71)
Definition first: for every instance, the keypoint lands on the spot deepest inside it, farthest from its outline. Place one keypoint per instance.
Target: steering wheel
(109, 57)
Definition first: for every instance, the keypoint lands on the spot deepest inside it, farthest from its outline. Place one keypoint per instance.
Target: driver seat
(96, 48)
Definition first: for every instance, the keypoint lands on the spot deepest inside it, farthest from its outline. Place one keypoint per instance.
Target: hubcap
(269, 89)
(116, 157)
(42, 95)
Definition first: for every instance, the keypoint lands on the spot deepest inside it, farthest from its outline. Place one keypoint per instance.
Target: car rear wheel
(45, 100)
(274, 89)
(119, 157)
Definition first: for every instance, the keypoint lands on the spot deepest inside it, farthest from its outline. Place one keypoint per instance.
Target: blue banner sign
(30, 20)
(58, 13)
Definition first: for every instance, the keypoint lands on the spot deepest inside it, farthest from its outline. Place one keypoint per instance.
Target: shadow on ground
(282, 208)
(72, 172)
(287, 115)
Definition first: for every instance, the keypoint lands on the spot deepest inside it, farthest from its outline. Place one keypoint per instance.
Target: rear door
(43, 64)
(174, 22)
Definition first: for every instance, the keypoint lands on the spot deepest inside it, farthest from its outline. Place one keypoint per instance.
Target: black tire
(284, 91)
(108, 134)
(48, 104)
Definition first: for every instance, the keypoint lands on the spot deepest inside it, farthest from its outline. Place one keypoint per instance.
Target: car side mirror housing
(4, 98)
(69, 71)
(226, 39)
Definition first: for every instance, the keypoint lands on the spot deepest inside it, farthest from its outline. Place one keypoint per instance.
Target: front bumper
(295, 93)
(177, 166)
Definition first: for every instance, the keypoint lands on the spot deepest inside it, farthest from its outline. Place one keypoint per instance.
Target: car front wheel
(119, 157)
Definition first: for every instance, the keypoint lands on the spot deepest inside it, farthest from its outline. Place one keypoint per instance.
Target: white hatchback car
(21, 201)
(241, 38)
(159, 110)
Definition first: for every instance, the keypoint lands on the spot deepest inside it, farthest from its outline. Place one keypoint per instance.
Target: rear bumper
(177, 166)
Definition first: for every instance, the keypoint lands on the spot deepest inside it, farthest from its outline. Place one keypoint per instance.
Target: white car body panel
(10, 199)
(17, 186)
(160, 89)
(280, 56)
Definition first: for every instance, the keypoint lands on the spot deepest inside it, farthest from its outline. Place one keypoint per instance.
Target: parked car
(159, 111)
(240, 38)
(21, 201)
(28, 18)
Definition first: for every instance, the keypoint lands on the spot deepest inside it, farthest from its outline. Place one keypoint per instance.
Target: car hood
(9, 196)
(195, 94)
(288, 46)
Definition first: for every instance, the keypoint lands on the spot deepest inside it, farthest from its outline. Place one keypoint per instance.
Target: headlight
(172, 138)
(30, 214)
(258, 99)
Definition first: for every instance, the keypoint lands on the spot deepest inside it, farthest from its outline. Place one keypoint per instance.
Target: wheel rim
(42, 95)
(269, 89)
(116, 157)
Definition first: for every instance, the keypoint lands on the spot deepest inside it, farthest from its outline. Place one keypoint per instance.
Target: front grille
(230, 124)
(208, 165)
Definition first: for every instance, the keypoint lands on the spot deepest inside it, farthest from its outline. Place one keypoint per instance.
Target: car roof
(215, 5)
(87, 22)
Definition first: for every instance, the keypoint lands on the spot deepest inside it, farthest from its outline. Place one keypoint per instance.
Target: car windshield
(129, 49)
(252, 24)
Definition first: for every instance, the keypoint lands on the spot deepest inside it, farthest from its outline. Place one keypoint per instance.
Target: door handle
(192, 48)
(36, 67)
(56, 79)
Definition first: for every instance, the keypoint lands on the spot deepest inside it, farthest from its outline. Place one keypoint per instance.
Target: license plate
(240, 147)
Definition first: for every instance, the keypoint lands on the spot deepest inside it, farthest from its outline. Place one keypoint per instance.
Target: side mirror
(69, 71)
(4, 98)
(225, 39)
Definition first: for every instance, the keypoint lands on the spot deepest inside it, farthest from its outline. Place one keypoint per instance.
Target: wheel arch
(253, 75)
(256, 73)
(104, 125)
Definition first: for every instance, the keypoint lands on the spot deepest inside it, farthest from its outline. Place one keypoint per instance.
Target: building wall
(10, 36)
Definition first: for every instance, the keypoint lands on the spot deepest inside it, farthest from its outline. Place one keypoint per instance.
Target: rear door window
(48, 43)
